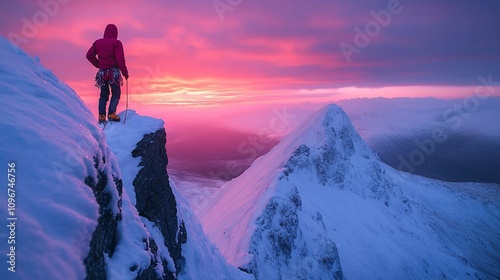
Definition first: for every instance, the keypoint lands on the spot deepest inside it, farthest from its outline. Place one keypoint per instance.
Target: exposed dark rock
(151, 272)
(277, 226)
(278, 243)
(155, 201)
(299, 160)
(104, 237)
(154, 196)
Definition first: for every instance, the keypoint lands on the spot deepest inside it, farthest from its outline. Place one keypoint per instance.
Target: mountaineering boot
(113, 117)
(102, 118)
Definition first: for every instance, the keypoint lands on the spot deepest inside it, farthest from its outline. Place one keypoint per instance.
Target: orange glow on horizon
(183, 54)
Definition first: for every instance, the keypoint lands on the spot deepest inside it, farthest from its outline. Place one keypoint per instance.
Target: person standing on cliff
(107, 54)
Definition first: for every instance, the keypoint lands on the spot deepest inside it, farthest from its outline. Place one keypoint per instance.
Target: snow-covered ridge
(55, 144)
(161, 207)
(73, 214)
(88, 203)
(328, 135)
(321, 205)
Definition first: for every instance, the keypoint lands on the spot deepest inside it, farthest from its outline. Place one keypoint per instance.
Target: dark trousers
(103, 99)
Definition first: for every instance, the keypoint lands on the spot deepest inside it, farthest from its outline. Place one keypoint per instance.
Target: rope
(126, 109)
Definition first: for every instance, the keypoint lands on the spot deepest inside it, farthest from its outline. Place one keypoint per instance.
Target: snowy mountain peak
(329, 126)
(270, 209)
(320, 205)
(329, 144)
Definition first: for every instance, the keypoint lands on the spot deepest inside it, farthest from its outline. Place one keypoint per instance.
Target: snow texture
(123, 139)
(54, 142)
(320, 205)
(322, 195)
(203, 259)
(57, 146)
(141, 242)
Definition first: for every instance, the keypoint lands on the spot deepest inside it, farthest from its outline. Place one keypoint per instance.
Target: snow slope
(134, 229)
(322, 195)
(56, 145)
(202, 260)
(52, 139)
(122, 140)
(53, 145)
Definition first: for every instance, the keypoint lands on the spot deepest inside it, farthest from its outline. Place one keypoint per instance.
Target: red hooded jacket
(109, 51)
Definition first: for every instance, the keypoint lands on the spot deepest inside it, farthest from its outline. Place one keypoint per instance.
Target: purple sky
(226, 64)
(202, 52)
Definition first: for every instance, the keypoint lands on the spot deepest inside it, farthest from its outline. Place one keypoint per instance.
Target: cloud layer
(223, 51)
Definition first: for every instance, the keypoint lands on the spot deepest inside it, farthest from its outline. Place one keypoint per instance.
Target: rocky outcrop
(104, 238)
(155, 200)
(281, 248)
(87, 215)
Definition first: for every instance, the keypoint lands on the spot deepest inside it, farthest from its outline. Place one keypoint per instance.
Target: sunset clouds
(223, 51)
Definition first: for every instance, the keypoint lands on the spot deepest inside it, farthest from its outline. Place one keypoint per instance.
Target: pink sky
(205, 52)
(221, 73)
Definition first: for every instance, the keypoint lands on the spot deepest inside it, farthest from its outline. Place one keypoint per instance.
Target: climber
(111, 63)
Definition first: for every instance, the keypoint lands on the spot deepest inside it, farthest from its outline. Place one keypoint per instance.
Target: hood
(111, 31)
